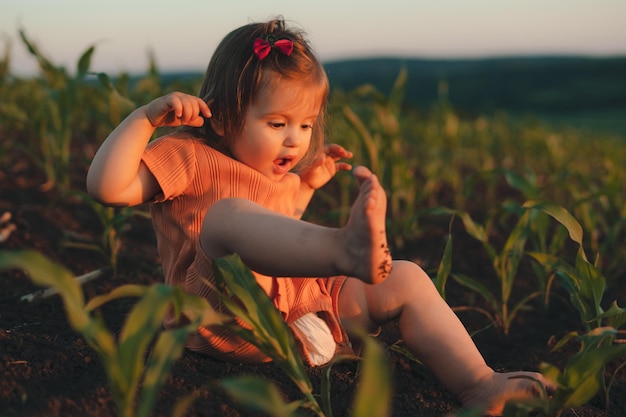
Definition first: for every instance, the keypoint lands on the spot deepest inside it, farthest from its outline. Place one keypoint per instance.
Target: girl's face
(277, 128)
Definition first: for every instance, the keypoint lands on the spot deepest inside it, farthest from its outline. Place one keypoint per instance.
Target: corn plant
(584, 283)
(501, 312)
(602, 215)
(578, 382)
(445, 265)
(50, 113)
(134, 382)
(371, 126)
(542, 237)
(372, 397)
(56, 115)
(374, 391)
(119, 105)
(115, 222)
(268, 331)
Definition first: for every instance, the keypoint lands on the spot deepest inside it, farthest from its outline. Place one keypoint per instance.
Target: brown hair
(235, 75)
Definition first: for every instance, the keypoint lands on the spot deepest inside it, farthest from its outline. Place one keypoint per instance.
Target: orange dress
(193, 176)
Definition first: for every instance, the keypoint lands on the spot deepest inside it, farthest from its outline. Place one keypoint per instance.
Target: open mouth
(282, 165)
(283, 162)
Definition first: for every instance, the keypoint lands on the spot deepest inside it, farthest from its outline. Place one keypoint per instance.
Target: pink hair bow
(262, 47)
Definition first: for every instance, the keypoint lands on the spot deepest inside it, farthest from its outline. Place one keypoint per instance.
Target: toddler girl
(235, 175)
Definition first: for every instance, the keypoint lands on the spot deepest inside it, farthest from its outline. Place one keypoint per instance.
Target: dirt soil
(46, 369)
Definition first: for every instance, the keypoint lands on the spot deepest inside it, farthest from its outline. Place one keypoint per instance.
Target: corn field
(542, 209)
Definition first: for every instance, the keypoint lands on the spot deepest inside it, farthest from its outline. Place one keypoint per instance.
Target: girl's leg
(433, 333)
(277, 245)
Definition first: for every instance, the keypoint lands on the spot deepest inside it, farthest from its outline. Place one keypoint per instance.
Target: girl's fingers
(204, 108)
(343, 166)
(177, 109)
(192, 110)
(196, 121)
(337, 151)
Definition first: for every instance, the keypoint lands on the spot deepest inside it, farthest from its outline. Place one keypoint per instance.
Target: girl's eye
(277, 125)
(307, 126)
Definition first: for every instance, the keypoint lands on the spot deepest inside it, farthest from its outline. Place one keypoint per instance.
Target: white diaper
(316, 338)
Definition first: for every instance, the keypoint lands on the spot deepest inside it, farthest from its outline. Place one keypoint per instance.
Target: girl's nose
(294, 138)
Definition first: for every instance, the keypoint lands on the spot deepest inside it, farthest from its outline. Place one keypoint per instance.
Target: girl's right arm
(117, 176)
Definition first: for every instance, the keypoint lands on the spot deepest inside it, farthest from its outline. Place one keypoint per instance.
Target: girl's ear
(217, 125)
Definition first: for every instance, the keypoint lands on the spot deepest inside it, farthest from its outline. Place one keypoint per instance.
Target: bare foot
(367, 252)
(496, 389)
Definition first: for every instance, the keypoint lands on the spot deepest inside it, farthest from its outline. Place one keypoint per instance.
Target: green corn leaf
(325, 384)
(123, 291)
(561, 215)
(256, 309)
(527, 407)
(615, 315)
(592, 284)
(551, 372)
(368, 140)
(242, 285)
(554, 263)
(472, 228)
(105, 81)
(44, 63)
(259, 394)
(584, 283)
(373, 394)
(477, 287)
(478, 232)
(11, 111)
(45, 273)
(270, 331)
(585, 374)
(512, 253)
(521, 304)
(438, 211)
(167, 349)
(472, 412)
(116, 99)
(140, 329)
(197, 309)
(581, 296)
(597, 337)
(84, 63)
(582, 376)
(325, 389)
(181, 408)
(398, 91)
(539, 227)
(521, 183)
(445, 266)
(564, 340)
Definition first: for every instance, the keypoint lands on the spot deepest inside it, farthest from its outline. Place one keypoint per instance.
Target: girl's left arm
(322, 170)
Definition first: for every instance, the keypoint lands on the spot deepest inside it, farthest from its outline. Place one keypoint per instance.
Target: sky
(182, 34)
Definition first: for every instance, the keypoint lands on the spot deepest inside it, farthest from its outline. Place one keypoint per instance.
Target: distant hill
(588, 90)
(574, 91)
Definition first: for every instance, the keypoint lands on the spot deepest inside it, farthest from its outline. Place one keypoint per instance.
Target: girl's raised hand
(326, 166)
(177, 109)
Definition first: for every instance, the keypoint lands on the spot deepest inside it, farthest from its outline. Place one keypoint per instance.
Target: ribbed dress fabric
(193, 176)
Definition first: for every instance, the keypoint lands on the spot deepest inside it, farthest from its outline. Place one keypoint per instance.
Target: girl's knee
(411, 279)
(406, 285)
(408, 270)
